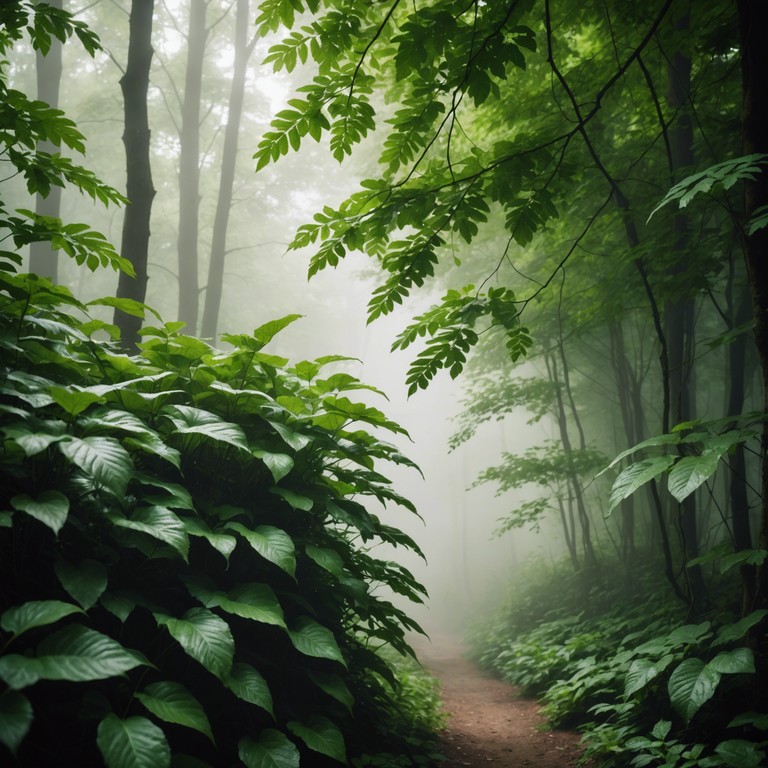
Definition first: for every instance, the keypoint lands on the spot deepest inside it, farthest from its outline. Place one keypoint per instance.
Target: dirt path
(489, 723)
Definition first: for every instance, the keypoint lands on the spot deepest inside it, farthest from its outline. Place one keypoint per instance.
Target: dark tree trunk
(139, 189)
(43, 260)
(213, 291)
(189, 168)
(753, 33)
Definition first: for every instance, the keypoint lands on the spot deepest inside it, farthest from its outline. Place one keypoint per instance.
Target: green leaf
(101, 457)
(85, 582)
(636, 475)
(739, 753)
(272, 750)
(160, 523)
(221, 542)
(15, 719)
(743, 557)
(36, 613)
(757, 719)
(279, 464)
(132, 743)
(322, 736)
(736, 662)
(271, 543)
(73, 653)
(690, 686)
(205, 637)
(74, 401)
(248, 684)
(195, 421)
(50, 508)
(313, 639)
(250, 601)
(690, 472)
(642, 671)
(294, 439)
(334, 686)
(173, 703)
(732, 632)
(296, 500)
(128, 306)
(329, 559)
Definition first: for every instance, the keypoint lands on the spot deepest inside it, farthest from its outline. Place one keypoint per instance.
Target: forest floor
(489, 722)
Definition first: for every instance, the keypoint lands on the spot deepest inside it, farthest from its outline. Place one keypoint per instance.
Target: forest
(333, 328)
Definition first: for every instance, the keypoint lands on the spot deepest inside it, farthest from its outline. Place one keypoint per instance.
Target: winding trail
(490, 723)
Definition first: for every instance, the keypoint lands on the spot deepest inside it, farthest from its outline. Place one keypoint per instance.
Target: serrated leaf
(132, 743)
(101, 457)
(313, 639)
(248, 684)
(322, 736)
(205, 637)
(272, 750)
(85, 582)
(73, 653)
(271, 543)
(160, 523)
(50, 507)
(736, 662)
(15, 719)
(36, 613)
(690, 472)
(637, 475)
(690, 686)
(172, 702)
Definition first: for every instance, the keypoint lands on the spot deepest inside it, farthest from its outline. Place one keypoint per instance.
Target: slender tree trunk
(679, 314)
(43, 260)
(213, 291)
(189, 168)
(753, 33)
(139, 189)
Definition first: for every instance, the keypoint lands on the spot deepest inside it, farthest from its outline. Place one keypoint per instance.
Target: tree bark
(139, 189)
(214, 287)
(43, 260)
(189, 168)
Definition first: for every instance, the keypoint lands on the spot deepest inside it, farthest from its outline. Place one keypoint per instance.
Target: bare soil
(489, 722)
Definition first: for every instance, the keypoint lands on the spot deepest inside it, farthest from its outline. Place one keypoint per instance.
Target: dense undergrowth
(188, 535)
(619, 661)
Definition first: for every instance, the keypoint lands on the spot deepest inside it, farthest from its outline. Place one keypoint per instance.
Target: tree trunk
(189, 168)
(43, 260)
(753, 33)
(213, 291)
(139, 189)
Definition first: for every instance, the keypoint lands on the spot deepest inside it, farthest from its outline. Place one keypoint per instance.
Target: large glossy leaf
(205, 637)
(15, 718)
(176, 495)
(73, 653)
(35, 435)
(296, 500)
(271, 543)
(329, 559)
(637, 475)
(313, 639)
(160, 523)
(101, 457)
(132, 743)
(738, 629)
(740, 753)
(691, 685)
(36, 613)
(272, 750)
(49, 507)
(248, 684)
(736, 662)
(296, 440)
(322, 736)
(172, 702)
(195, 421)
(250, 601)
(690, 472)
(642, 671)
(84, 581)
